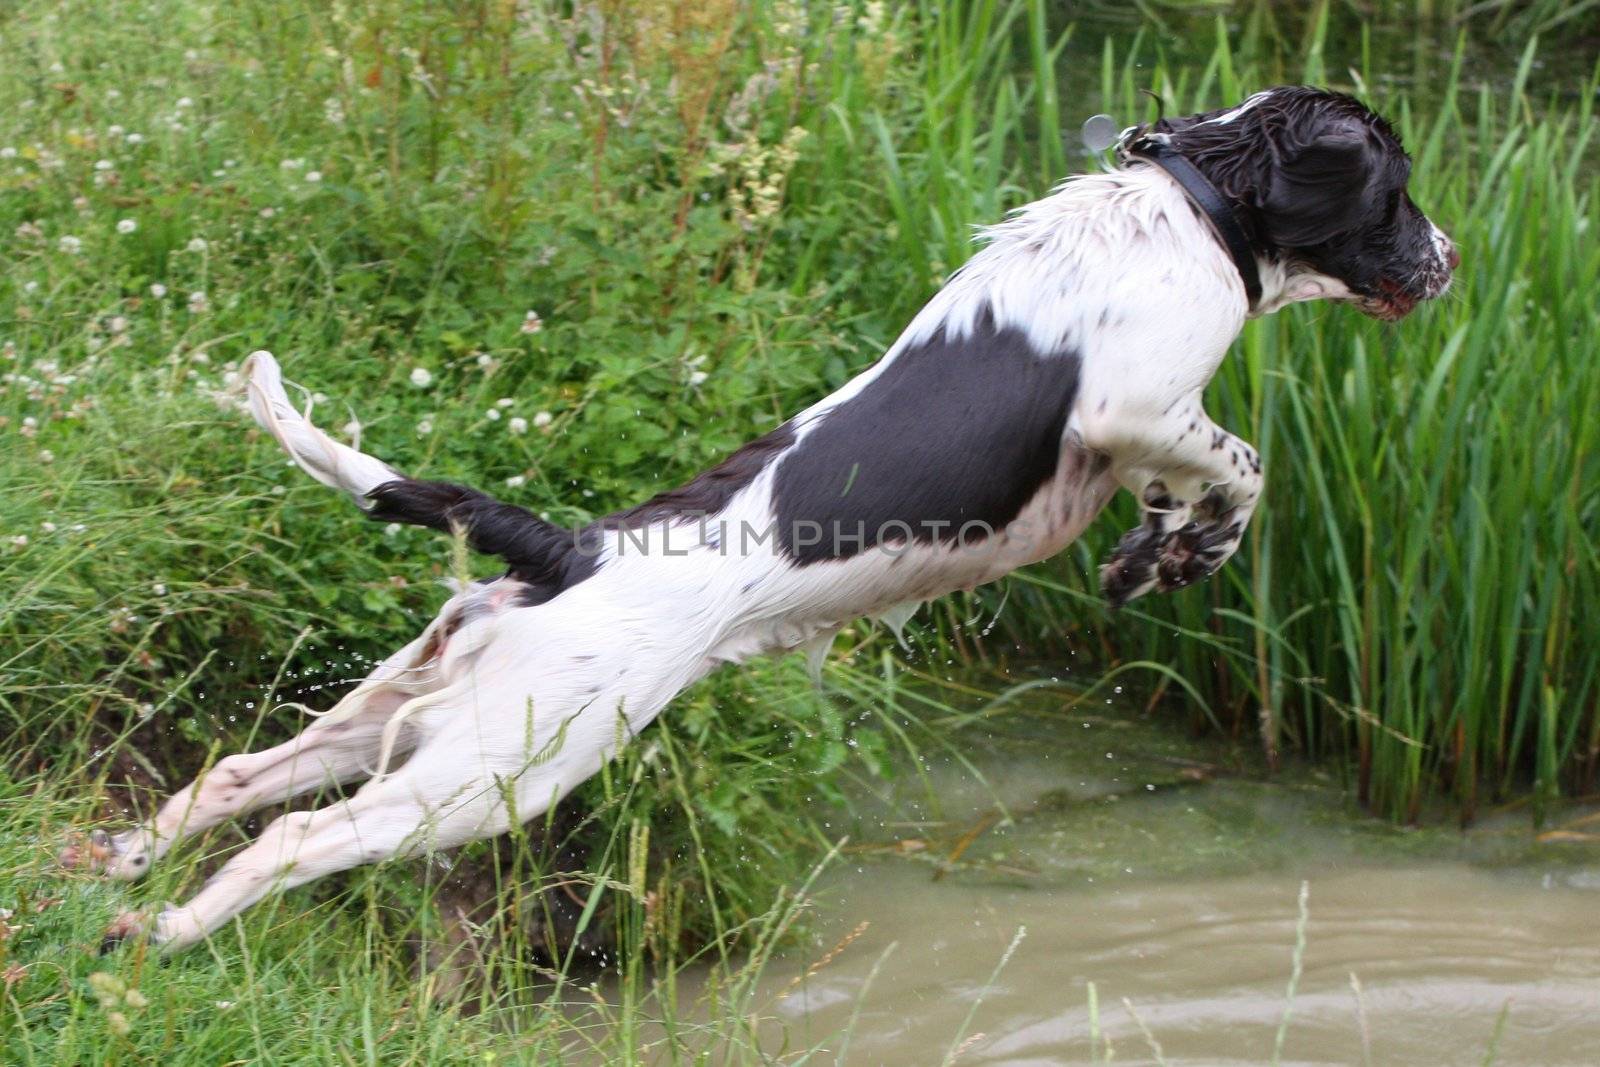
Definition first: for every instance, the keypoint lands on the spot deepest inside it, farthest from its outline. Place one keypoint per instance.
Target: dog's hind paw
(125, 856)
(93, 852)
(130, 925)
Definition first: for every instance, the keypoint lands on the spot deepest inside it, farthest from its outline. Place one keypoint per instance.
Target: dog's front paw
(1131, 570)
(1197, 550)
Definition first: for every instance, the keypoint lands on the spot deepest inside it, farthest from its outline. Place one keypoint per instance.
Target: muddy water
(1169, 879)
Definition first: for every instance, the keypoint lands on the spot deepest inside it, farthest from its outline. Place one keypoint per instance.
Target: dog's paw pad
(88, 853)
(1131, 570)
(1196, 552)
(128, 925)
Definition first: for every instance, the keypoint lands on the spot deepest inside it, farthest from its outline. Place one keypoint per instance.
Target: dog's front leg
(1198, 484)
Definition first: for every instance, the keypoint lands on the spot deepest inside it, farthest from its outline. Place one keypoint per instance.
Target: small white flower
(159, 589)
(102, 164)
(513, 482)
(197, 302)
(518, 424)
(698, 377)
(117, 325)
(70, 245)
(268, 212)
(493, 414)
(184, 102)
(135, 138)
(21, 540)
(485, 359)
(224, 1005)
(31, 288)
(291, 164)
(158, 290)
(114, 130)
(532, 323)
(313, 176)
(8, 152)
(421, 377)
(47, 526)
(543, 419)
(126, 226)
(146, 710)
(504, 402)
(196, 244)
(391, 529)
(46, 456)
(425, 427)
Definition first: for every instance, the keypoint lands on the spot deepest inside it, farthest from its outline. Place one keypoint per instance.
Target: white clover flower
(102, 164)
(117, 324)
(8, 152)
(504, 402)
(46, 456)
(485, 359)
(21, 540)
(196, 244)
(313, 176)
(198, 302)
(291, 164)
(47, 526)
(31, 288)
(268, 212)
(532, 323)
(114, 130)
(184, 102)
(391, 529)
(518, 425)
(158, 290)
(543, 419)
(421, 377)
(159, 589)
(126, 226)
(135, 138)
(70, 245)
(493, 414)
(515, 481)
(698, 377)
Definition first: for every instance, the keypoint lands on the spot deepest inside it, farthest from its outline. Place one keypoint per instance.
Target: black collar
(1208, 200)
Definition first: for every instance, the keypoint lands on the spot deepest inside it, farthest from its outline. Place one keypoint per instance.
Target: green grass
(718, 212)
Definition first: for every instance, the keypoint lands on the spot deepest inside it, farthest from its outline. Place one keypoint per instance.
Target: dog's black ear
(1316, 191)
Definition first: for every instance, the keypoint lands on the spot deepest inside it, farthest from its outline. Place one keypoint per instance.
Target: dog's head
(1318, 182)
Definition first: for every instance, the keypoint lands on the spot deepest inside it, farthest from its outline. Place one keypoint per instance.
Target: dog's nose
(1453, 256)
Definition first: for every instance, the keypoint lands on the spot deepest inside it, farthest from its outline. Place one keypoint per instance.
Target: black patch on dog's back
(952, 439)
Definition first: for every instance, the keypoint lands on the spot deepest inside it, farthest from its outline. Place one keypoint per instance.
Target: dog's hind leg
(338, 748)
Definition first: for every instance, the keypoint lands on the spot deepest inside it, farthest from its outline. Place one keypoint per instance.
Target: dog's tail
(538, 551)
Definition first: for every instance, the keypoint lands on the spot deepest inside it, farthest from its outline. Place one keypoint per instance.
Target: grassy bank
(575, 258)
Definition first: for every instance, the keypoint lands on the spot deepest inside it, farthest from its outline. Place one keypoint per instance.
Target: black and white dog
(1066, 359)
